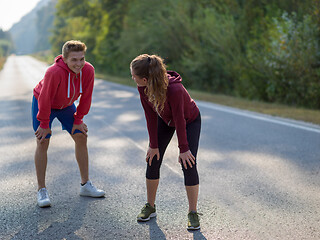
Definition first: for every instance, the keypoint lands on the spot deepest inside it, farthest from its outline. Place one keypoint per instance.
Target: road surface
(259, 175)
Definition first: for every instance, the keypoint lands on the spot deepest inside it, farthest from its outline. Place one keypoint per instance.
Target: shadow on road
(156, 233)
(197, 235)
(66, 226)
(154, 230)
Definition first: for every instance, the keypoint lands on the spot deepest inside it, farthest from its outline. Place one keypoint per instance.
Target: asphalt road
(259, 175)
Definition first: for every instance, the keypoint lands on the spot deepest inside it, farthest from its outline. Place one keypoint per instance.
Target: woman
(168, 107)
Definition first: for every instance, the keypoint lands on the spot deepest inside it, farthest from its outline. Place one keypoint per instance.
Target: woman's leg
(192, 194)
(165, 134)
(191, 176)
(152, 186)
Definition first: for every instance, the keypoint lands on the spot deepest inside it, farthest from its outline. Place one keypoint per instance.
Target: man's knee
(43, 146)
(79, 138)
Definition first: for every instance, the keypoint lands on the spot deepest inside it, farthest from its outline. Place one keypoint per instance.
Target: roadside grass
(274, 109)
(2, 61)
(44, 56)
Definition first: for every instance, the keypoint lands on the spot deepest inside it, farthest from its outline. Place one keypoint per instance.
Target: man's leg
(81, 152)
(40, 159)
(40, 156)
(65, 116)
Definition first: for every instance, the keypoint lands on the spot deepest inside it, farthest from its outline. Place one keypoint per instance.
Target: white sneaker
(43, 198)
(91, 191)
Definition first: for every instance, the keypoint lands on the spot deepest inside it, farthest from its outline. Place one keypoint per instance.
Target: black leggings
(165, 134)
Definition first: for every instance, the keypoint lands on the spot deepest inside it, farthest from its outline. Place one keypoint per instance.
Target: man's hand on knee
(81, 127)
(41, 133)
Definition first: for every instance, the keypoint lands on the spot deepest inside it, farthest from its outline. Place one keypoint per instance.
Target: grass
(2, 61)
(274, 109)
(44, 56)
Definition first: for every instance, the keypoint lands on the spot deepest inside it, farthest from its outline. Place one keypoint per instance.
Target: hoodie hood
(174, 77)
(59, 62)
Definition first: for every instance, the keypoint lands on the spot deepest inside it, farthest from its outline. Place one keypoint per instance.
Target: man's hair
(73, 46)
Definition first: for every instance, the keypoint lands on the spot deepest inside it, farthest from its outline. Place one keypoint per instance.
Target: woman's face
(141, 82)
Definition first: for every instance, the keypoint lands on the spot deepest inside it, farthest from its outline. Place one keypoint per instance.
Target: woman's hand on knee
(186, 158)
(151, 153)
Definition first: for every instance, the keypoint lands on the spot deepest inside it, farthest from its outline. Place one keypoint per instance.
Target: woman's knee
(191, 176)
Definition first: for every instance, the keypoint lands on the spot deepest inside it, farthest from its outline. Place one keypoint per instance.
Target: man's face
(75, 61)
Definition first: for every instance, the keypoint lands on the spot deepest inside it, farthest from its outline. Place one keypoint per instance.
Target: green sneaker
(147, 212)
(193, 221)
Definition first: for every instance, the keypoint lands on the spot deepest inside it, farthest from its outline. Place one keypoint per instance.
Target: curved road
(259, 175)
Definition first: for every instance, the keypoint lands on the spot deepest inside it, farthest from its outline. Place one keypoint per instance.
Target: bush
(285, 61)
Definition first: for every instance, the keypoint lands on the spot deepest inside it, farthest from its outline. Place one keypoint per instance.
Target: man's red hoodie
(60, 87)
(179, 109)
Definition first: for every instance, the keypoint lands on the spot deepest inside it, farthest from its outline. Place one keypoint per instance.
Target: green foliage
(44, 25)
(286, 59)
(6, 45)
(258, 49)
(72, 21)
(154, 27)
(213, 56)
(110, 21)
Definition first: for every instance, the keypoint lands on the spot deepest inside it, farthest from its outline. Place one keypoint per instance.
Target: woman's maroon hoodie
(179, 109)
(60, 87)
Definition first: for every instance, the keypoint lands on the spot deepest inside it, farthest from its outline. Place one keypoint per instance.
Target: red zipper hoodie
(179, 110)
(60, 87)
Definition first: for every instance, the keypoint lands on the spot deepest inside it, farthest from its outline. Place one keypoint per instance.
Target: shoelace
(43, 194)
(145, 208)
(91, 186)
(195, 215)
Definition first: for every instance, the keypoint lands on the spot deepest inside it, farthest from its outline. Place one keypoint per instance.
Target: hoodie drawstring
(80, 81)
(69, 84)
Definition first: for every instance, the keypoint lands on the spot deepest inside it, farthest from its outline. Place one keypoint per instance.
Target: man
(54, 96)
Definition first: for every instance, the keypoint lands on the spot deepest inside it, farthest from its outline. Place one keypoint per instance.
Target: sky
(11, 11)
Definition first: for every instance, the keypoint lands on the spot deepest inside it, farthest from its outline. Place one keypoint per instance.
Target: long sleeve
(86, 97)
(178, 113)
(48, 91)
(151, 118)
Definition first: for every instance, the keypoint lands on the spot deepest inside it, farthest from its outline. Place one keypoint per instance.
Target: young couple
(167, 105)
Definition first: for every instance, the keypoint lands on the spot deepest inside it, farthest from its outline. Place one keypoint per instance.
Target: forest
(265, 50)
(5, 46)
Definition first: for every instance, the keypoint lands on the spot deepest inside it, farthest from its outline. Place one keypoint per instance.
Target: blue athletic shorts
(65, 116)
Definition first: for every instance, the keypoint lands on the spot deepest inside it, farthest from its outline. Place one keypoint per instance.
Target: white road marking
(254, 115)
